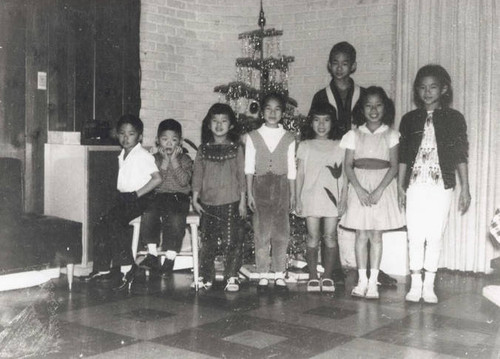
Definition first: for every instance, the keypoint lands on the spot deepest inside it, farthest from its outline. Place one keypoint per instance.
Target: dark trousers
(167, 215)
(271, 222)
(112, 241)
(221, 233)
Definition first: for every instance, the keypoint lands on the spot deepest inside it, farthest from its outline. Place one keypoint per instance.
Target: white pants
(427, 209)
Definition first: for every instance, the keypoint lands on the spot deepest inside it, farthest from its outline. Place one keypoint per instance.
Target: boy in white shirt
(138, 176)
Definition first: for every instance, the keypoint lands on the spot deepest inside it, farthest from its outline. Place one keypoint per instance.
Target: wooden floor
(164, 318)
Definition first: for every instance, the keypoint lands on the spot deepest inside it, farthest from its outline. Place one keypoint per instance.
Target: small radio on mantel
(97, 132)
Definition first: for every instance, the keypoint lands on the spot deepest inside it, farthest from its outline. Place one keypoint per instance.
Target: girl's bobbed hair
(219, 109)
(389, 110)
(321, 109)
(442, 76)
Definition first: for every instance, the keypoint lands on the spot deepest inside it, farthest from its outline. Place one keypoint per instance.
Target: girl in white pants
(433, 145)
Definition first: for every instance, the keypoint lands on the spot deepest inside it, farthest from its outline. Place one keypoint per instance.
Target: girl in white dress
(371, 164)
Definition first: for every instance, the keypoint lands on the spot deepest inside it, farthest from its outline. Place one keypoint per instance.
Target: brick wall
(189, 46)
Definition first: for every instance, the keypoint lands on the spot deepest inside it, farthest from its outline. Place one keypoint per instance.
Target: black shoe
(95, 276)
(167, 268)
(385, 280)
(338, 277)
(150, 262)
(128, 279)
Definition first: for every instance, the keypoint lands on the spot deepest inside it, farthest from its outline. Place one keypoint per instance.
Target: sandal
(233, 285)
(327, 285)
(313, 285)
(202, 284)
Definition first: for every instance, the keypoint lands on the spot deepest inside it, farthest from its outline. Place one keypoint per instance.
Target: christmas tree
(261, 69)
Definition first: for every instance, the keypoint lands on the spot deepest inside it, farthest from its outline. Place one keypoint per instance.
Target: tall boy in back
(342, 93)
(138, 176)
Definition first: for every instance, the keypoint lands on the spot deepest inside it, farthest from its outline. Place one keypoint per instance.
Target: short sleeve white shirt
(135, 170)
(349, 140)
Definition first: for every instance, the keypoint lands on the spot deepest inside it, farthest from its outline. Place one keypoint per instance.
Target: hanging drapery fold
(463, 37)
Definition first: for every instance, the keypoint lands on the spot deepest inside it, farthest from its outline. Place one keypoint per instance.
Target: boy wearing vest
(342, 93)
(270, 171)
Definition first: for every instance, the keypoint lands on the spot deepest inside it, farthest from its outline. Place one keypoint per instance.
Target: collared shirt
(369, 144)
(271, 137)
(135, 170)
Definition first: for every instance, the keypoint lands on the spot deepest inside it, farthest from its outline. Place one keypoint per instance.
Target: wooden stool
(193, 220)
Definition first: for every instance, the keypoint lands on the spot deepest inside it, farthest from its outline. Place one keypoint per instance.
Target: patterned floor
(165, 319)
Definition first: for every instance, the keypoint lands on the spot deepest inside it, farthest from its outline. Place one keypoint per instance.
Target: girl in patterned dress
(371, 164)
(220, 186)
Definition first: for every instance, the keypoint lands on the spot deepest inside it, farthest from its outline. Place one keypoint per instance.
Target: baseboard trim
(27, 279)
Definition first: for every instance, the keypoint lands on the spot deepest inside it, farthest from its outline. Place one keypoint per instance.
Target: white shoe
(360, 290)
(414, 295)
(428, 295)
(372, 291)
(201, 284)
(263, 284)
(428, 288)
(415, 292)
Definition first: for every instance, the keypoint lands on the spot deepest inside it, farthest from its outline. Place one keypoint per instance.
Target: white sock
(362, 275)
(153, 249)
(171, 255)
(104, 272)
(373, 276)
(416, 281)
(125, 269)
(429, 279)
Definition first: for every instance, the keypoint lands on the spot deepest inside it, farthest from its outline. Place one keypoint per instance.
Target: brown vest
(275, 162)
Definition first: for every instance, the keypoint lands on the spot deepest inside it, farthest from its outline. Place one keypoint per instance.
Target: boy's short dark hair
(133, 121)
(170, 125)
(345, 48)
